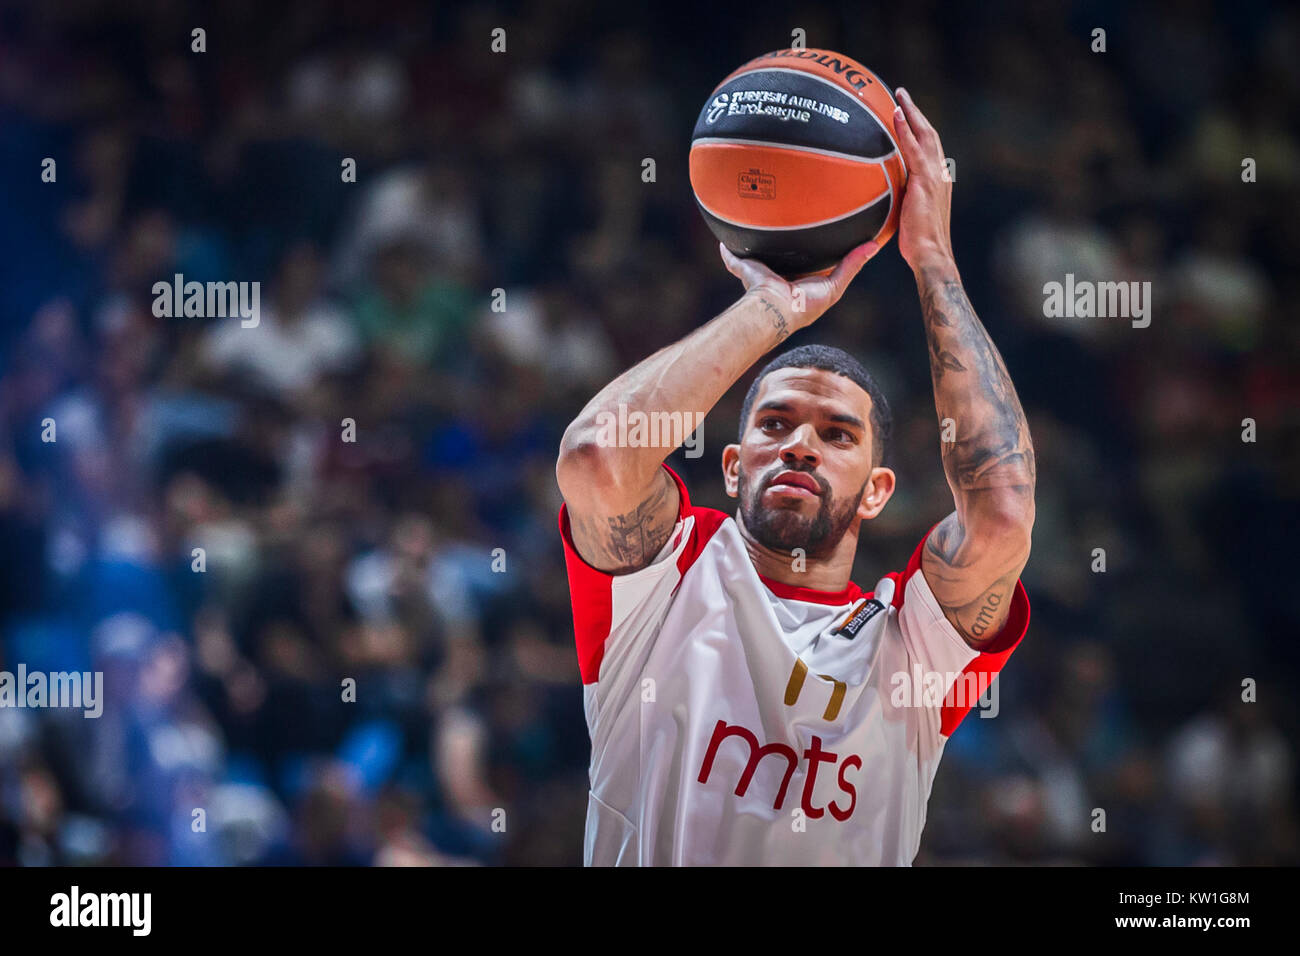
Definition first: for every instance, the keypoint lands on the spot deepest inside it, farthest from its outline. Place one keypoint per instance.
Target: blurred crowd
(353, 644)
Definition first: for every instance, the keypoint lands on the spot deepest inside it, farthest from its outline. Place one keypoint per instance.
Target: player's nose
(801, 446)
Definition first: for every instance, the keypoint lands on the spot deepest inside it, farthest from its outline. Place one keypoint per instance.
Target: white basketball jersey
(736, 720)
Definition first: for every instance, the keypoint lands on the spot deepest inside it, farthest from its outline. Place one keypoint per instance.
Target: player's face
(805, 460)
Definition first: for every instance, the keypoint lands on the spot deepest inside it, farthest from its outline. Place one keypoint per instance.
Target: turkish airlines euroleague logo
(815, 755)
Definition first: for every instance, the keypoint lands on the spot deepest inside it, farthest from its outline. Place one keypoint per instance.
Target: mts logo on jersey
(814, 755)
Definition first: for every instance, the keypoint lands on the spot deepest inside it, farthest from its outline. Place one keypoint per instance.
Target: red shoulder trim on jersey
(812, 596)
(913, 565)
(989, 661)
(897, 600)
(707, 522)
(591, 590)
(592, 598)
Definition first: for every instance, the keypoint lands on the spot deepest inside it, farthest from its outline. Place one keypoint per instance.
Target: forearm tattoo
(992, 447)
(779, 322)
(990, 453)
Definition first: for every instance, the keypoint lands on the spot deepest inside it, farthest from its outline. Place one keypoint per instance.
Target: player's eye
(841, 435)
(770, 423)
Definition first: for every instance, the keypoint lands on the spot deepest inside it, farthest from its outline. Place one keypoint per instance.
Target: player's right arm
(622, 504)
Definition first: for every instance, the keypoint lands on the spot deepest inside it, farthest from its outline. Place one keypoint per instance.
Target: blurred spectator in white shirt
(299, 338)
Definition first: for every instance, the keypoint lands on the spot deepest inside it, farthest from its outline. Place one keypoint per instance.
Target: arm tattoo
(978, 611)
(628, 542)
(992, 447)
(987, 615)
(778, 319)
(983, 618)
(990, 454)
(946, 539)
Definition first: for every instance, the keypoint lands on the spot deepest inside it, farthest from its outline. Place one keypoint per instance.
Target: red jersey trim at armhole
(913, 565)
(591, 590)
(988, 661)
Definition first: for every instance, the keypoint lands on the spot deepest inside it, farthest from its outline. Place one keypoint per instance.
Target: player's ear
(731, 470)
(880, 488)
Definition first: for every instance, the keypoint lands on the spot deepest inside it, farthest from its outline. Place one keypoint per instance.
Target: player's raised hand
(809, 298)
(923, 234)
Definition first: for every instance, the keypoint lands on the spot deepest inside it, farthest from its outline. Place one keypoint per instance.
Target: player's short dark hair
(827, 358)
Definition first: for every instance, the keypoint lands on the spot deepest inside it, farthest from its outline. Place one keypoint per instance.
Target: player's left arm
(973, 558)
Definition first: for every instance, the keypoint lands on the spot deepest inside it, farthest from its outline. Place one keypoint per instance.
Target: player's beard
(784, 529)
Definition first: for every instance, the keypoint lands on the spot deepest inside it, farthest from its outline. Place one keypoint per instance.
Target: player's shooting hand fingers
(907, 144)
(915, 118)
(925, 135)
(749, 271)
(733, 263)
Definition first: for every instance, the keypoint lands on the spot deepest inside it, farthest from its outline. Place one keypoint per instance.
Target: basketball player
(747, 703)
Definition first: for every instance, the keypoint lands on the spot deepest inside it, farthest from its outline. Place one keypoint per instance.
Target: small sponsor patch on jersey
(859, 617)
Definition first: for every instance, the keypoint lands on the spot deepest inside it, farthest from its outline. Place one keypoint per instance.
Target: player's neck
(829, 573)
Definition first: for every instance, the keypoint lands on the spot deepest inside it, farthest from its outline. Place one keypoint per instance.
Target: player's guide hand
(806, 299)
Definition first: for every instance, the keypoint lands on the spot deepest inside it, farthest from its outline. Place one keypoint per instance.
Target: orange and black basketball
(794, 160)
